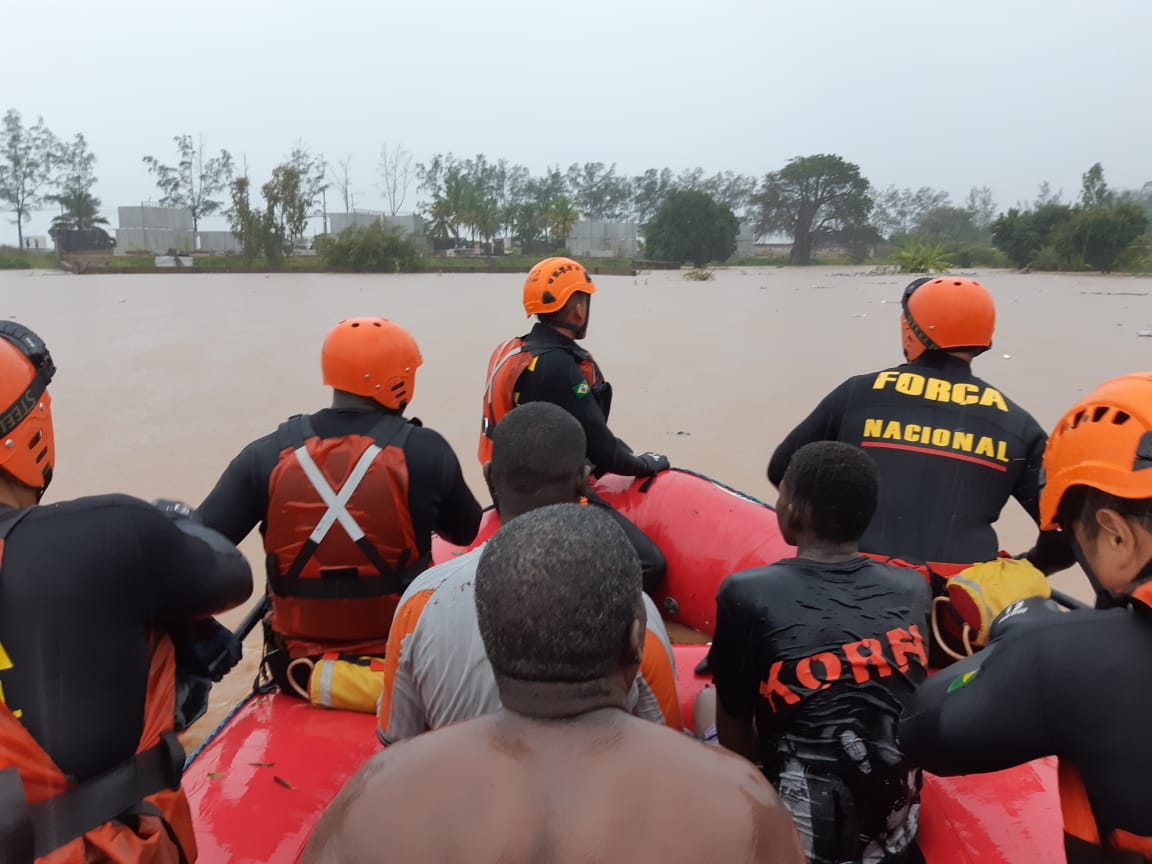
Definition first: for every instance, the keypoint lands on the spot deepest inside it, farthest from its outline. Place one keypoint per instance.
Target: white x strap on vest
(337, 501)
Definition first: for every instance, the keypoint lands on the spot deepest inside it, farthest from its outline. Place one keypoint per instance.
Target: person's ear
(636, 636)
(487, 471)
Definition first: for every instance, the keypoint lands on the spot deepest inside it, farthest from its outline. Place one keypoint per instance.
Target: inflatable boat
(261, 780)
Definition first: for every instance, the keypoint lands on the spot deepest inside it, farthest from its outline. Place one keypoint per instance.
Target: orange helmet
(551, 282)
(949, 314)
(27, 445)
(372, 357)
(1104, 441)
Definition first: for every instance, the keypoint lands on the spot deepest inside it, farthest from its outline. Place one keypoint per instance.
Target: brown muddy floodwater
(163, 379)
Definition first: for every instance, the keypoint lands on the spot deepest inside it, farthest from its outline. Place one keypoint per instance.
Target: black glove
(174, 509)
(654, 463)
(206, 648)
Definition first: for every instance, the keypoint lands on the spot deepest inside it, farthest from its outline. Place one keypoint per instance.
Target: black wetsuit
(438, 497)
(951, 450)
(82, 585)
(822, 656)
(1076, 685)
(556, 377)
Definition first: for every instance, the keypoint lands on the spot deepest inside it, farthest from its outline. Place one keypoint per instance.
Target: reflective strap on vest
(489, 421)
(327, 671)
(387, 580)
(59, 820)
(337, 501)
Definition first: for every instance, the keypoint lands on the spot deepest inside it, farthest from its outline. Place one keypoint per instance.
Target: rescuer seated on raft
(562, 773)
(548, 365)
(90, 591)
(1075, 685)
(813, 657)
(951, 448)
(436, 669)
(347, 499)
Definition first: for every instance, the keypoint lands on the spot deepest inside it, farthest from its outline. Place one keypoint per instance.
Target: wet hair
(535, 446)
(834, 486)
(557, 590)
(1080, 504)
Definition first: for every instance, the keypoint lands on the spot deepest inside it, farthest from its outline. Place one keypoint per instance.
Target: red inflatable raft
(263, 778)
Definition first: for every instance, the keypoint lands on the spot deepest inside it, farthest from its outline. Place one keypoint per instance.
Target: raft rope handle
(299, 661)
(965, 634)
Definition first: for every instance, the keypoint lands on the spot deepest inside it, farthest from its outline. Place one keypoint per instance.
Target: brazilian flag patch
(961, 680)
(581, 389)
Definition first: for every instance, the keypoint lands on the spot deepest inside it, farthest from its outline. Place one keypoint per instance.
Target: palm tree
(562, 217)
(80, 211)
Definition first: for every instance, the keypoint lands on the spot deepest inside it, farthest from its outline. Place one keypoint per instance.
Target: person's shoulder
(453, 573)
(907, 579)
(709, 771)
(112, 505)
(440, 750)
(751, 581)
(423, 436)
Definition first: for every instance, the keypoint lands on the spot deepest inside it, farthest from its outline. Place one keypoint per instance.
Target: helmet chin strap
(574, 329)
(1106, 599)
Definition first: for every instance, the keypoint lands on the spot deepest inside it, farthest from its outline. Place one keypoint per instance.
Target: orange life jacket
(507, 363)
(135, 813)
(339, 539)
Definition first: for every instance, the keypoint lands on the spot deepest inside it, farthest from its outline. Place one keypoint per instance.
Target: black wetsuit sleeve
(1053, 550)
(995, 719)
(823, 424)
(455, 511)
(192, 571)
(239, 502)
(557, 379)
(731, 658)
(653, 564)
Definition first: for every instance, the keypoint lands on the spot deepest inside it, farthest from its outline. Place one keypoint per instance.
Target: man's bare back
(511, 789)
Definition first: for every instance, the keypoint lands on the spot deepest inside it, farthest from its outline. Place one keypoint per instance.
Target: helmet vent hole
(355, 323)
(1120, 418)
(41, 455)
(35, 439)
(376, 324)
(1098, 414)
(549, 297)
(1077, 419)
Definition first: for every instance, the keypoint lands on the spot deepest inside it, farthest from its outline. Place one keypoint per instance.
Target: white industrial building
(599, 238)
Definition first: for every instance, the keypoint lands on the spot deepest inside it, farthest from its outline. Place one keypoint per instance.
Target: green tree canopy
(29, 156)
(691, 226)
(193, 182)
(814, 199)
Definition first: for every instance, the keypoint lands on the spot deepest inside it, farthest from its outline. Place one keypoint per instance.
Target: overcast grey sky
(1006, 93)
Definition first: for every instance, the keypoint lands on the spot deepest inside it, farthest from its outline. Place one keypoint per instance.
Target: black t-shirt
(82, 585)
(557, 378)
(951, 450)
(438, 497)
(821, 655)
(1076, 685)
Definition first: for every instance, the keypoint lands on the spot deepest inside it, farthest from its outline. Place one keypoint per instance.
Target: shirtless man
(555, 775)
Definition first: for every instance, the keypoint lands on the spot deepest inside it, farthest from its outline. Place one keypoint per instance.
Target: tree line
(820, 202)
